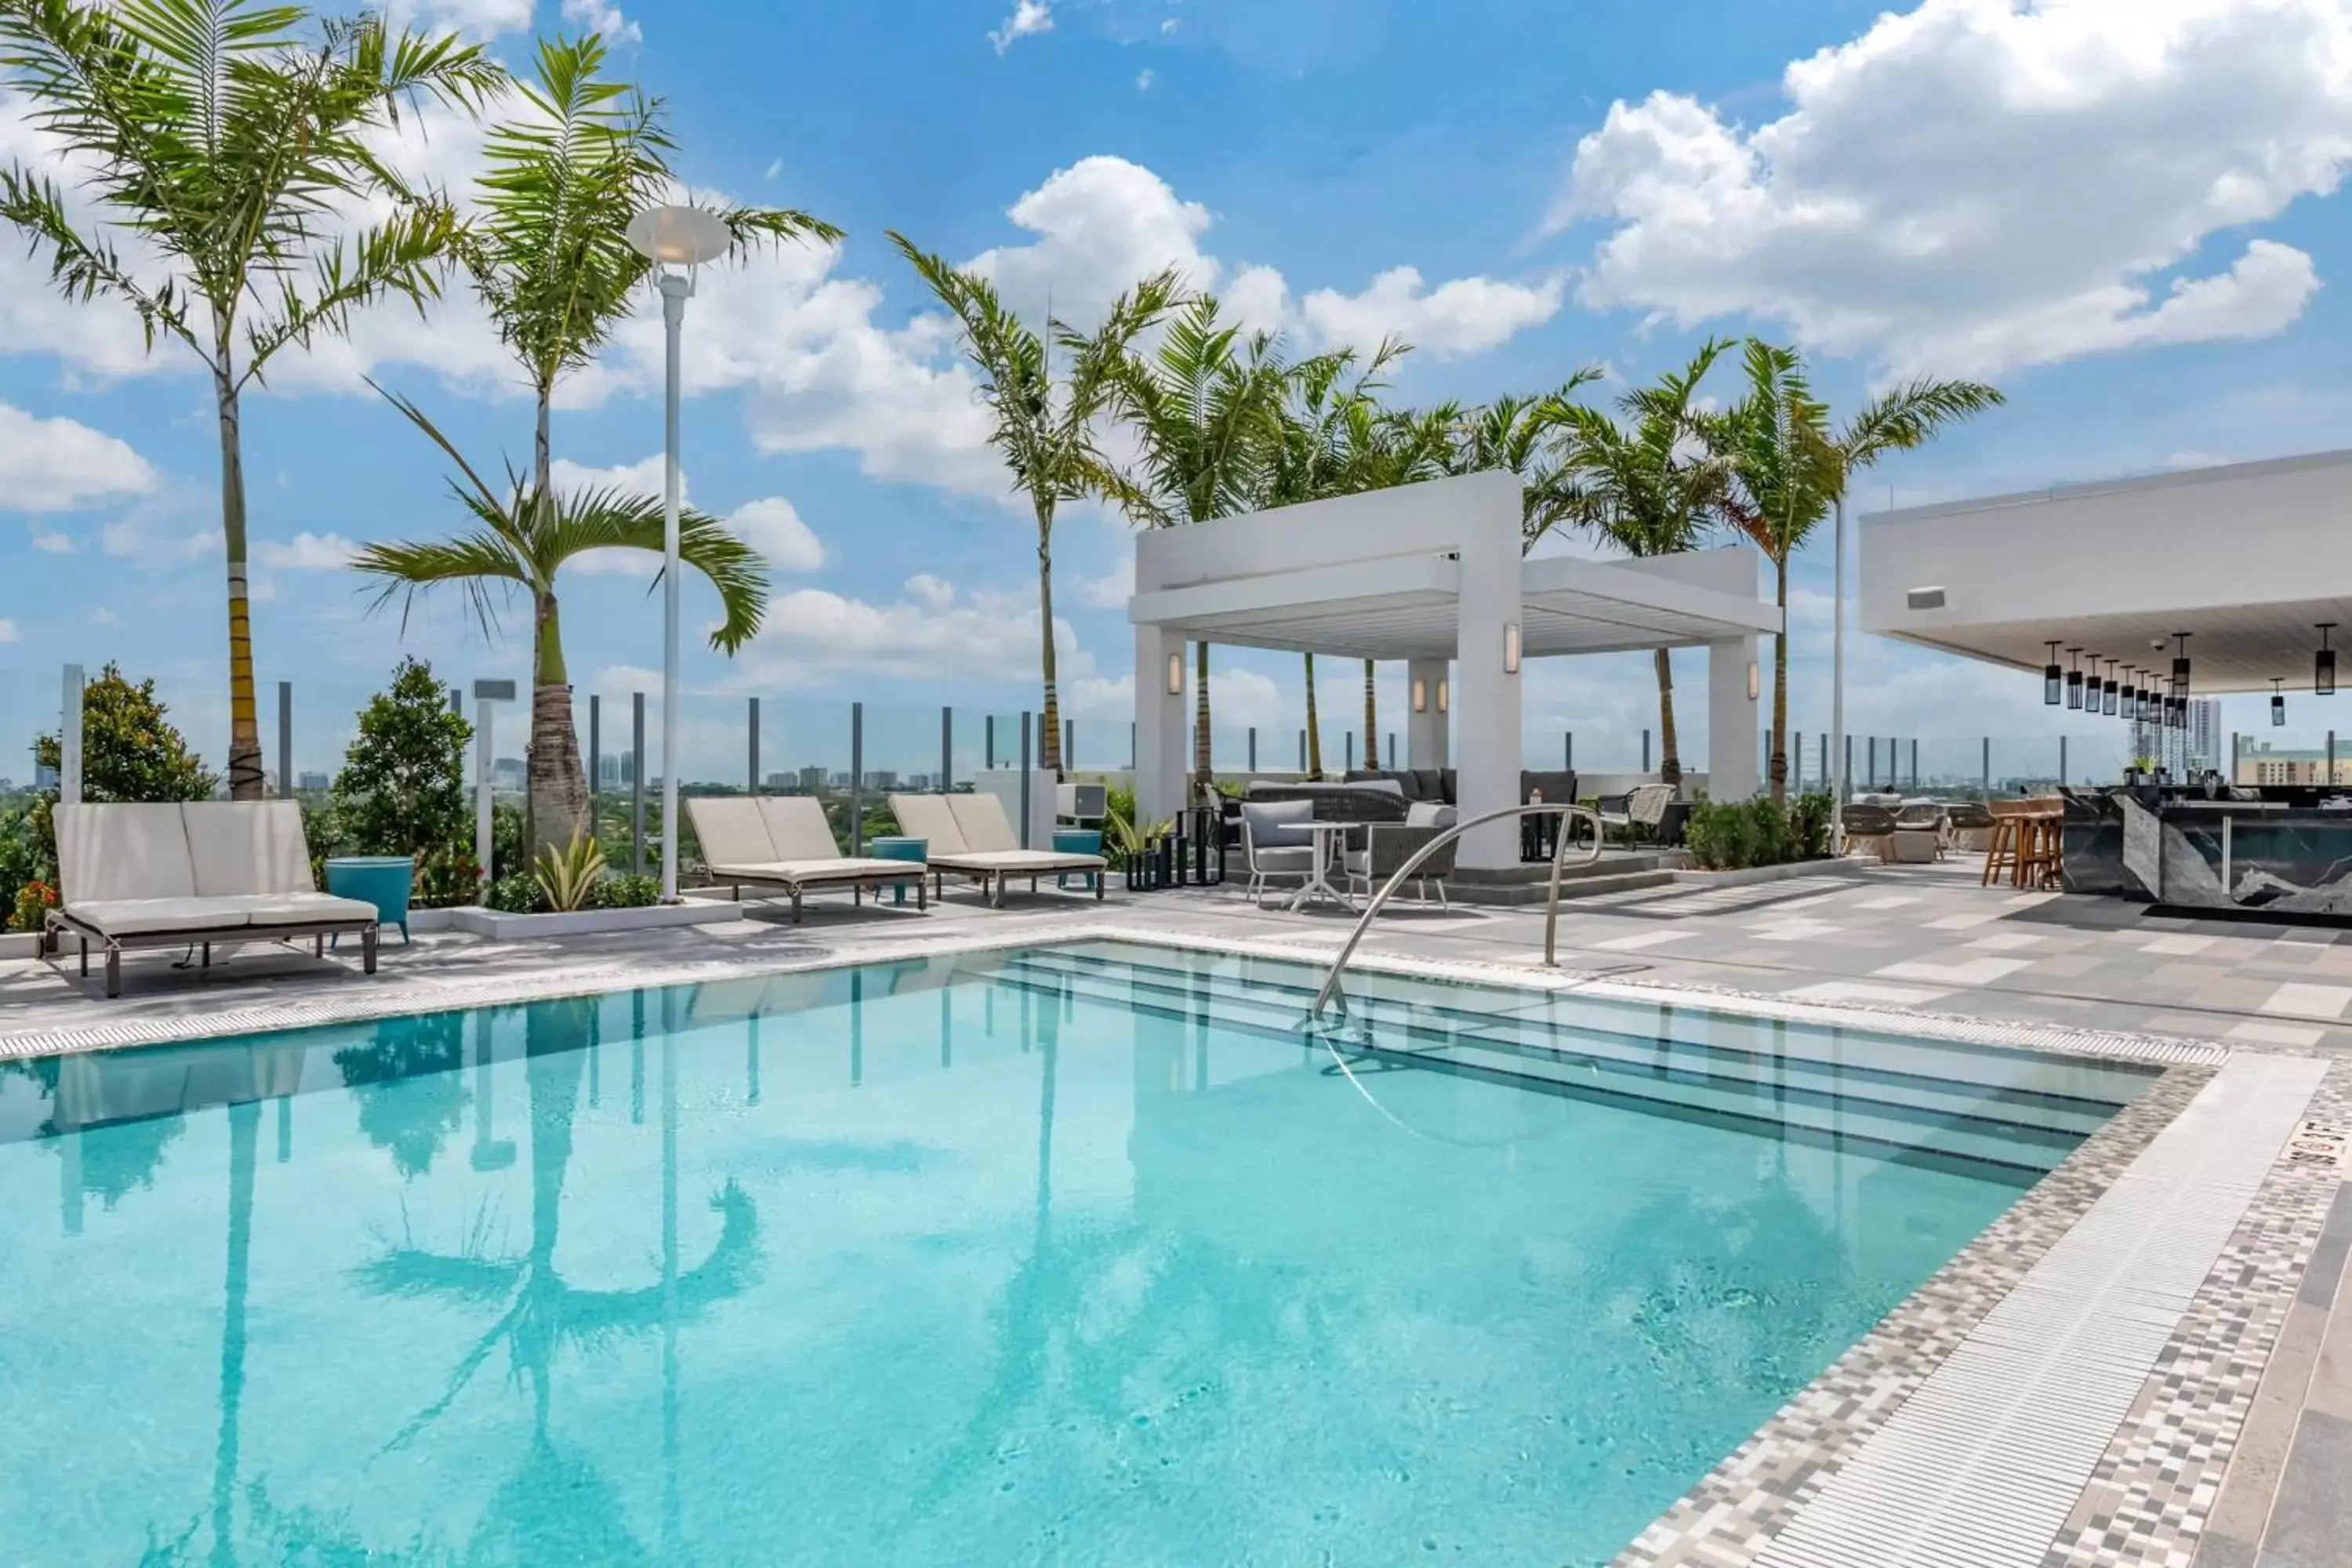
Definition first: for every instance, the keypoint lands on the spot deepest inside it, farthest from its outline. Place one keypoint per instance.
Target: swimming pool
(1075, 1254)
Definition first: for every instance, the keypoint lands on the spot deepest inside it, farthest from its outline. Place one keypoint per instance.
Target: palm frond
(613, 519)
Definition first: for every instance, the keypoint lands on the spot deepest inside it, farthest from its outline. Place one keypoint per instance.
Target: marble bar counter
(2180, 849)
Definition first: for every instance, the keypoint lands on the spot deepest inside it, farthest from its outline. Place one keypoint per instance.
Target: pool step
(1927, 1132)
(1922, 1075)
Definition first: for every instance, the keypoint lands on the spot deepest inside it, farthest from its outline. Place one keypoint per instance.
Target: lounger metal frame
(856, 881)
(994, 876)
(62, 921)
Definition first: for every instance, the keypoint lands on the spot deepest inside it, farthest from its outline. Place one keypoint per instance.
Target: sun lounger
(189, 876)
(971, 836)
(783, 841)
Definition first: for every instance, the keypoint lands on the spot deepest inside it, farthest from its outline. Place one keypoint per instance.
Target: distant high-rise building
(44, 776)
(314, 782)
(2206, 736)
(811, 779)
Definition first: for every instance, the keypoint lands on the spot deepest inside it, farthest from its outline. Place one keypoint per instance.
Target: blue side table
(1078, 841)
(383, 880)
(915, 850)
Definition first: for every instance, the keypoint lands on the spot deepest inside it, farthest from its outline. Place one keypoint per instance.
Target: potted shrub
(399, 804)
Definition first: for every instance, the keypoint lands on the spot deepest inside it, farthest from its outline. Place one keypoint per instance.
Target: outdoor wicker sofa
(191, 875)
(785, 841)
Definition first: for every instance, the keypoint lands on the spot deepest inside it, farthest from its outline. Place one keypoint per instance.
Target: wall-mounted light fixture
(1444, 695)
(1421, 696)
(1175, 675)
(1755, 681)
(1510, 647)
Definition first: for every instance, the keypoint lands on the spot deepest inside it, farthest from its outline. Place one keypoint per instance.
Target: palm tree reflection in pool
(556, 1508)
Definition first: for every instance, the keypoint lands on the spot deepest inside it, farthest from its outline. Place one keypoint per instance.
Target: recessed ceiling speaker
(1926, 598)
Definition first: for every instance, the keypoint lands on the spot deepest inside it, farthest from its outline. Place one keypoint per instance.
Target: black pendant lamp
(2135, 702)
(2180, 664)
(2111, 692)
(2323, 664)
(2278, 702)
(2053, 679)
(2074, 680)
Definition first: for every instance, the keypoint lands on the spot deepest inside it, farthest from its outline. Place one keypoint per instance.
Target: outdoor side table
(898, 849)
(1078, 841)
(383, 880)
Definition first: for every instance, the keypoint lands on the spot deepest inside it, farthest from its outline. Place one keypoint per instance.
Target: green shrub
(32, 899)
(1734, 835)
(129, 751)
(627, 892)
(515, 895)
(26, 854)
(402, 789)
(568, 877)
(1808, 820)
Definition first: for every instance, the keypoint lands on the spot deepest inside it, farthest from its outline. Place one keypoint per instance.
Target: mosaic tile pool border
(2151, 1492)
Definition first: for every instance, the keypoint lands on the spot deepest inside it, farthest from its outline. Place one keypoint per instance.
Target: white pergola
(1432, 575)
(2248, 559)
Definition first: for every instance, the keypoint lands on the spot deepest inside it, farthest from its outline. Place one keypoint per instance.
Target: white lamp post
(678, 240)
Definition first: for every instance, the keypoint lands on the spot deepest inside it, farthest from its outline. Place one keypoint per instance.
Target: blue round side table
(383, 880)
(915, 850)
(1078, 841)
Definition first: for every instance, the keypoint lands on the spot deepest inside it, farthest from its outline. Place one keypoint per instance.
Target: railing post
(1350, 737)
(754, 704)
(595, 755)
(637, 779)
(286, 740)
(484, 836)
(1130, 745)
(1252, 748)
(2064, 773)
(70, 723)
(857, 780)
(947, 751)
(1988, 767)
(1646, 750)
(2331, 759)
(1302, 753)
(1568, 750)
(1848, 759)
(1914, 764)
(1069, 743)
(1024, 780)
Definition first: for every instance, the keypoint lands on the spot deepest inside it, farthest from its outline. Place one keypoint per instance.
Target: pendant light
(2133, 705)
(2323, 663)
(2053, 679)
(2278, 702)
(2111, 692)
(2180, 665)
(2074, 680)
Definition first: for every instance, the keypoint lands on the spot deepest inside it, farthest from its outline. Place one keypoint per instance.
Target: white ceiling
(2232, 648)
(1424, 626)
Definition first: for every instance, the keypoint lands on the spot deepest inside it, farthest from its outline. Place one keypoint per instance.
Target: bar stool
(2040, 860)
(2002, 850)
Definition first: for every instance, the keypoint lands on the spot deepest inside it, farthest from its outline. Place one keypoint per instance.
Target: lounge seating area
(785, 842)
(190, 876)
(970, 835)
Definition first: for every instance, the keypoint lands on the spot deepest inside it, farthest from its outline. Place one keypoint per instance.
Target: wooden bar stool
(2040, 852)
(2001, 848)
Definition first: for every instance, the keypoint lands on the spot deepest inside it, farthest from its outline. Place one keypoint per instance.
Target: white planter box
(497, 927)
(1741, 877)
(20, 944)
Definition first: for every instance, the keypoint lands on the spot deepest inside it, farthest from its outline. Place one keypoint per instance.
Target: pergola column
(1160, 759)
(1485, 693)
(1733, 730)
(1424, 727)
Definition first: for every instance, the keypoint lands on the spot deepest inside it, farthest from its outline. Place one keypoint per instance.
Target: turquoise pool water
(1073, 1255)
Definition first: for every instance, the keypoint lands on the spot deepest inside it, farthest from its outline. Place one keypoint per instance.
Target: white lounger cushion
(109, 853)
(796, 825)
(838, 870)
(731, 831)
(242, 849)
(117, 918)
(980, 819)
(927, 817)
(296, 909)
(1018, 860)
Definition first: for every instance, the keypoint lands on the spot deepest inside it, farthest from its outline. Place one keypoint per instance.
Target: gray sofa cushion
(1277, 826)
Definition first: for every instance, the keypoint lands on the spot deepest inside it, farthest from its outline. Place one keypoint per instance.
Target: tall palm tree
(548, 254)
(224, 142)
(1046, 431)
(1201, 404)
(521, 539)
(1649, 485)
(1789, 467)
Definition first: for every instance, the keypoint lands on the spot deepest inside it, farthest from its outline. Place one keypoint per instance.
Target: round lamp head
(679, 237)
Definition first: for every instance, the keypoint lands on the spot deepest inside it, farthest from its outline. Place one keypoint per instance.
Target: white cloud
(56, 465)
(103, 616)
(1111, 591)
(1467, 316)
(1029, 16)
(55, 543)
(774, 528)
(306, 552)
(934, 631)
(1979, 184)
(645, 477)
(604, 17)
(475, 18)
(932, 592)
(8, 632)
(775, 167)
(1143, 79)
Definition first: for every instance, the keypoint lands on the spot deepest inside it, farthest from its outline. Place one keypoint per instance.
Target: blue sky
(2121, 211)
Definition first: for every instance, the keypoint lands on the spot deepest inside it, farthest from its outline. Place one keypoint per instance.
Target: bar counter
(2179, 848)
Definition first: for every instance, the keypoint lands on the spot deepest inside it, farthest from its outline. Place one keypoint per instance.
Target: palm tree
(521, 539)
(1789, 467)
(1045, 432)
(227, 137)
(1201, 404)
(548, 254)
(1650, 485)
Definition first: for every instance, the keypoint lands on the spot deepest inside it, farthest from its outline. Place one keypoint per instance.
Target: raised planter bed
(478, 921)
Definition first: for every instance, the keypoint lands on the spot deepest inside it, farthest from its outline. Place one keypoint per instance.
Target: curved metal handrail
(1323, 998)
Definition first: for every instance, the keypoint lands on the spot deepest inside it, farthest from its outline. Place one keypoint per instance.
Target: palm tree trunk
(245, 776)
(1204, 779)
(1049, 752)
(1371, 722)
(1314, 726)
(1780, 689)
(1670, 759)
(556, 787)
